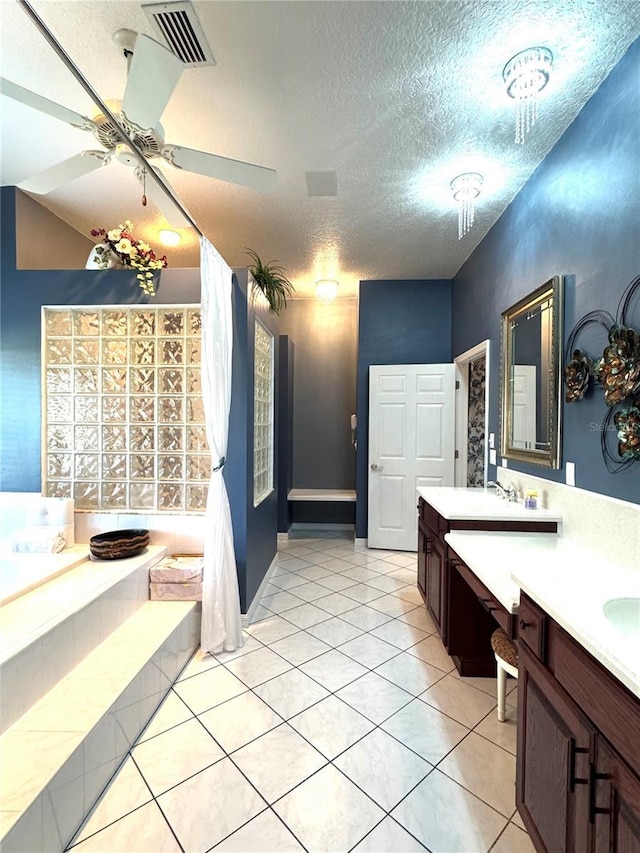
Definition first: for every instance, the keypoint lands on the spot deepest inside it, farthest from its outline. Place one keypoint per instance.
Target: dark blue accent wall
(577, 216)
(400, 322)
(262, 521)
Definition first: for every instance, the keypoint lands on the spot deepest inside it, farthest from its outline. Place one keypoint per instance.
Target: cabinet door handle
(427, 546)
(594, 778)
(524, 624)
(573, 750)
(488, 605)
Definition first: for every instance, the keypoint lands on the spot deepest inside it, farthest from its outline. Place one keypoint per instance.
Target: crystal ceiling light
(466, 189)
(525, 76)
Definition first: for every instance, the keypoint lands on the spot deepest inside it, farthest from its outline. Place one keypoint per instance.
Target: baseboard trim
(283, 537)
(246, 618)
(304, 525)
(361, 544)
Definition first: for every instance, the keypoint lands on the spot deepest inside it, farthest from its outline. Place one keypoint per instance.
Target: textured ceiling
(396, 97)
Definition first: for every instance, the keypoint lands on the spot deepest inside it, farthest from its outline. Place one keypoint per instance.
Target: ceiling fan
(153, 74)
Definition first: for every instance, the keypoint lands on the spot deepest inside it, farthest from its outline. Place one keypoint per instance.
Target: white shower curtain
(221, 625)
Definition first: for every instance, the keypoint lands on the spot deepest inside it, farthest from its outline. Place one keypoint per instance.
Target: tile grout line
(333, 693)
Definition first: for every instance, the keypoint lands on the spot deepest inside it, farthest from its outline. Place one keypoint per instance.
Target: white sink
(624, 614)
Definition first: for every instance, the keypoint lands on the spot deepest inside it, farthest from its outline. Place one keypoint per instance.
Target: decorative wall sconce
(326, 290)
(466, 189)
(617, 372)
(525, 76)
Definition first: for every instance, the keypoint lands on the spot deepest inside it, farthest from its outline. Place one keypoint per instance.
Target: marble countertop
(568, 582)
(468, 504)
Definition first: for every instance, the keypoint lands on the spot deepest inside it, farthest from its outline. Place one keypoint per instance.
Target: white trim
(462, 409)
(283, 537)
(361, 544)
(321, 495)
(248, 616)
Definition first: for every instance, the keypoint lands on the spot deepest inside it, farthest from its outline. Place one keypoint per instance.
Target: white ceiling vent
(179, 26)
(322, 183)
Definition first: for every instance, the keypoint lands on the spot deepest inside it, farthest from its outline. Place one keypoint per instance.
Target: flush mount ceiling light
(525, 76)
(326, 289)
(168, 237)
(466, 189)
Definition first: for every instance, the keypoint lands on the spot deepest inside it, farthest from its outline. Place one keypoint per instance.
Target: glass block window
(263, 415)
(123, 419)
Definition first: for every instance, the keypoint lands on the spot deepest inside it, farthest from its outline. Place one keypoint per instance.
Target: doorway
(472, 416)
(411, 444)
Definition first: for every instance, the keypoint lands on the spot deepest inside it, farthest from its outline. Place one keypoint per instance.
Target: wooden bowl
(118, 544)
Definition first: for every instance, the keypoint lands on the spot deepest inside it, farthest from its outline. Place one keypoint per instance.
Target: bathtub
(20, 572)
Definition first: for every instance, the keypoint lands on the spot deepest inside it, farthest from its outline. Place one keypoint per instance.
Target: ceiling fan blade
(31, 99)
(222, 168)
(161, 200)
(153, 75)
(65, 172)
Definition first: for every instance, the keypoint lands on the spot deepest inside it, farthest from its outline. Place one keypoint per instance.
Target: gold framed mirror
(531, 428)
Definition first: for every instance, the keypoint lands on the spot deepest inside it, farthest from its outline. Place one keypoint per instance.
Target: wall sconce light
(326, 290)
(168, 237)
(525, 76)
(466, 189)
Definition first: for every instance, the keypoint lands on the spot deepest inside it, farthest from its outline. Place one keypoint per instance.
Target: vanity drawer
(532, 627)
(486, 599)
(434, 520)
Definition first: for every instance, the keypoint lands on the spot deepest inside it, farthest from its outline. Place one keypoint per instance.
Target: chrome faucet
(501, 492)
(510, 492)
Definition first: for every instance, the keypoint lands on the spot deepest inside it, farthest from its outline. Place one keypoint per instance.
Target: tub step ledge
(59, 756)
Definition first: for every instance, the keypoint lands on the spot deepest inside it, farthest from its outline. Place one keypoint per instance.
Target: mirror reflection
(531, 365)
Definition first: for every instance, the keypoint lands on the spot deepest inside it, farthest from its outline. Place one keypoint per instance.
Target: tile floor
(340, 725)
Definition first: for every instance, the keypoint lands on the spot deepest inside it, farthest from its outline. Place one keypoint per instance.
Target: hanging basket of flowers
(119, 248)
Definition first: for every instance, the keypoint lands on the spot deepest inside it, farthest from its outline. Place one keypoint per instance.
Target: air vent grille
(179, 26)
(322, 183)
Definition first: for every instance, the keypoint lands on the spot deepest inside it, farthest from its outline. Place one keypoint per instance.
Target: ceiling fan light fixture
(326, 290)
(525, 75)
(169, 237)
(466, 189)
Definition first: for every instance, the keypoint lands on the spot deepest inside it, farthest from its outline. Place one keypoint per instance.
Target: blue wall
(400, 322)
(577, 216)
(261, 522)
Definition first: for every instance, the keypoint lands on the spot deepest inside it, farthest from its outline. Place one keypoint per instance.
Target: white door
(524, 407)
(411, 444)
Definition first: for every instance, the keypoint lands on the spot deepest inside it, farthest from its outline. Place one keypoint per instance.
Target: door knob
(375, 467)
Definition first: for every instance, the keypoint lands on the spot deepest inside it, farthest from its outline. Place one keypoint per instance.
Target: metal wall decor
(617, 372)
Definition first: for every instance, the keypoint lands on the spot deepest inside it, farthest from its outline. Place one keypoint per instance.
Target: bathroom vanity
(464, 610)
(578, 627)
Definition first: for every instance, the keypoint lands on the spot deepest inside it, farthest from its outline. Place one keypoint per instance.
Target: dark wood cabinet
(436, 584)
(578, 755)
(615, 802)
(554, 751)
(464, 616)
(422, 559)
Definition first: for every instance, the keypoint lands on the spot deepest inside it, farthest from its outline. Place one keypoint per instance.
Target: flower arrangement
(130, 252)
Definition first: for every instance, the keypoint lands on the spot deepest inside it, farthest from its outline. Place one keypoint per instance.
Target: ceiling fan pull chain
(144, 187)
